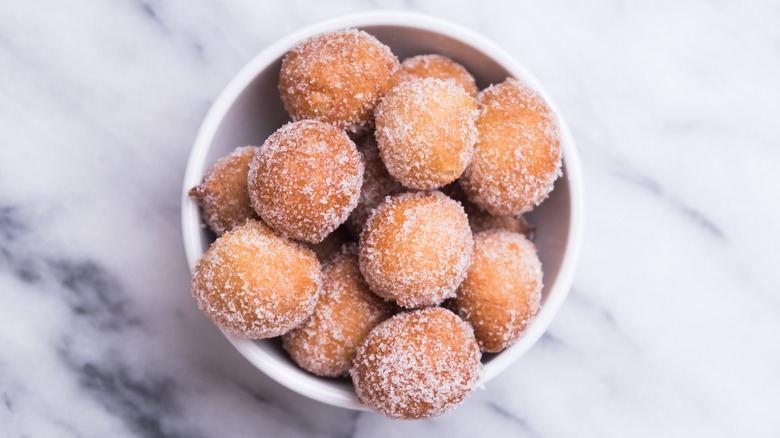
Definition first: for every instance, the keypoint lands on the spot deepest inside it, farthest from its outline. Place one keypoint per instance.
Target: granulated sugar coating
(480, 220)
(305, 180)
(223, 194)
(337, 78)
(517, 157)
(326, 343)
(377, 185)
(255, 284)
(417, 364)
(503, 289)
(426, 133)
(437, 66)
(415, 248)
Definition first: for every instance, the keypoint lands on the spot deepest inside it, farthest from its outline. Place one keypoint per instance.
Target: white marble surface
(672, 327)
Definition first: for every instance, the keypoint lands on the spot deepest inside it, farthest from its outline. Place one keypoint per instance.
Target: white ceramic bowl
(250, 109)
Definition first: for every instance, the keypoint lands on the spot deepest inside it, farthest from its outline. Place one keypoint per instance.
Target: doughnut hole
(305, 180)
(337, 78)
(255, 284)
(417, 364)
(426, 132)
(517, 157)
(415, 248)
(223, 195)
(502, 291)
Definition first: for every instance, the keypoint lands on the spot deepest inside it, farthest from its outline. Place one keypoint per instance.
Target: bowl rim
(191, 224)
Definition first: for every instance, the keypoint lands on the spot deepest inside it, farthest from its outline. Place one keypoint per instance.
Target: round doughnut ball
(255, 284)
(517, 157)
(337, 78)
(437, 66)
(223, 194)
(377, 185)
(417, 364)
(326, 343)
(415, 248)
(426, 133)
(503, 289)
(305, 180)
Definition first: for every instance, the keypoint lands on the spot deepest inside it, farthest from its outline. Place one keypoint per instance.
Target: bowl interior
(255, 110)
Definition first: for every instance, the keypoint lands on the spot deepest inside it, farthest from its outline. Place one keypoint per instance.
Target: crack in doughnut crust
(337, 78)
(517, 157)
(305, 180)
(417, 364)
(255, 284)
(415, 248)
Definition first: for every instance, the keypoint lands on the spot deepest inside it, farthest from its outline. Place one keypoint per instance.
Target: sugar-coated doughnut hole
(337, 77)
(223, 195)
(326, 343)
(502, 290)
(426, 132)
(305, 180)
(415, 248)
(517, 157)
(377, 185)
(255, 284)
(417, 364)
(437, 66)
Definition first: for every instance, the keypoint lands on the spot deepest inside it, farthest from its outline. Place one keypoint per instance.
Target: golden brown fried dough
(305, 180)
(502, 290)
(417, 364)
(426, 132)
(517, 157)
(337, 78)
(415, 248)
(255, 284)
(223, 194)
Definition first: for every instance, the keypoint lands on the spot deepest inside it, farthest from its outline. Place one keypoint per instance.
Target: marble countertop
(673, 324)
